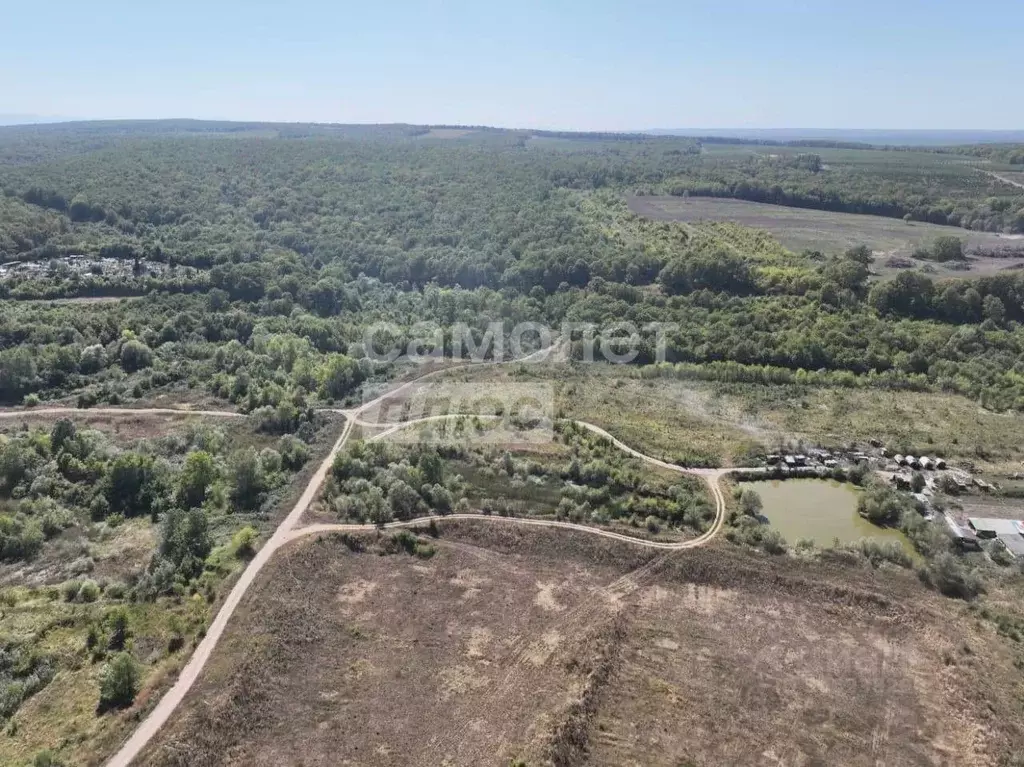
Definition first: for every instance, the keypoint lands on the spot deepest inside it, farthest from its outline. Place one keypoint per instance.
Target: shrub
(245, 479)
(70, 590)
(117, 625)
(294, 452)
(882, 505)
(751, 503)
(877, 552)
(243, 543)
(45, 758)
(31, 400)
(947, 248)
(948, 575)
(115, 591)
(773, 542)
(917, 482)
(20, 537)
(197, 474)
(120, 682)
(653, 524)
(89, 592)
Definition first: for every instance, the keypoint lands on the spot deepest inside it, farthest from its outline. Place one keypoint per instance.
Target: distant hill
(19, 119)
(879, 136)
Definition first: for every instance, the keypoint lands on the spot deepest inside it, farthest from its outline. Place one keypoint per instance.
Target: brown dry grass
(561, 649)
(122, 427)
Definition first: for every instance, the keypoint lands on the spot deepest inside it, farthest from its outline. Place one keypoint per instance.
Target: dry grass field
(684, 420)
(530, 647)
(801, 228)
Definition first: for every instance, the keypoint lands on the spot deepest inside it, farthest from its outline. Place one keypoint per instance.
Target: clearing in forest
(496, 643)
(803, 228)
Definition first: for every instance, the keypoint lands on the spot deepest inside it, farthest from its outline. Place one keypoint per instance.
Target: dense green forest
(257, 254)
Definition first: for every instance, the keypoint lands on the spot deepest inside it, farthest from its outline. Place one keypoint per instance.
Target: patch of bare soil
(558, 649)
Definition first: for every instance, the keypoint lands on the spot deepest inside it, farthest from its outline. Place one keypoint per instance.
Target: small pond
(819, 509)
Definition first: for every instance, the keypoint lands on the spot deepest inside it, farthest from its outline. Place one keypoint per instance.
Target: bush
(882, 505)
(243, 543)
(120, 682)
(115, 591)
(20, 537)
(751, 503)
(117, 627)
(947, 248)
(948, 576)
(89, 592)
(70, 590)
(877, 552)
(245, 479)
(753, 533)
(31, 400)
(45, 758)
(294, 452)
(773, 542)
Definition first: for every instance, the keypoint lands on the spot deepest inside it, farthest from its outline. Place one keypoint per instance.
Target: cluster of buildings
(813, 459)
(923, 462)
(968, 532)
(971, 531)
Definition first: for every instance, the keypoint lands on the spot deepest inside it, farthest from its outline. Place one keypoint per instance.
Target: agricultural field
(804, 229)
(494, 645)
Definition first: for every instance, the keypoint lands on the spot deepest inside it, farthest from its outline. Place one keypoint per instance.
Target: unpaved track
(287, 531)
(20, 413)
(1005, 180)
(156, 718)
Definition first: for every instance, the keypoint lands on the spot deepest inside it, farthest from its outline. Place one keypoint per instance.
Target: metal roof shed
(990, 528)
(1014, 544)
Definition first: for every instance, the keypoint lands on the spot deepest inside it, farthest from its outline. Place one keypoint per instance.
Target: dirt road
(58, 411)
(288, 531)
(1005, 180)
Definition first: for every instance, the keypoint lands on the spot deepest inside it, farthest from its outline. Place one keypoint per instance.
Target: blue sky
(557, 64)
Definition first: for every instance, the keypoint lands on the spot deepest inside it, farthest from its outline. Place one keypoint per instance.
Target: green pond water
(820, 509)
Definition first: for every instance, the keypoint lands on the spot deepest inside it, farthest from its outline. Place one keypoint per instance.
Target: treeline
(994, 215)
(1011, 154)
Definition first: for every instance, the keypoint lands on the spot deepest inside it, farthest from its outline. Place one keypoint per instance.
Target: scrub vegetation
(238, 267)
(116, 540)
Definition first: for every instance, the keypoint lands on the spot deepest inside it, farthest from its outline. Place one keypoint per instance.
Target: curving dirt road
(287, 531)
